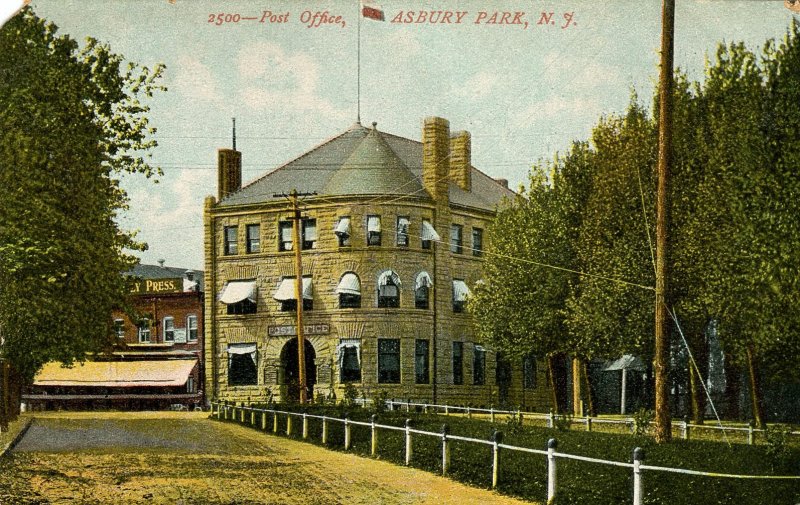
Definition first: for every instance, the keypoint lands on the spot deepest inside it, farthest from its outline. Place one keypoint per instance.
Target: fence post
(588, 423)
(408, 405)
(638, 494)
(241, 419)
(275, 421)
(253, 417)
(551, 470)
(551, 419)
(750, 438)
(408, 442)
(686, 428)
(491, 413)
(469, 413)
(497, 438)
(346, 432)
(374, 435)
(324, 430)
(445, 449)
(288, 424)
(305, 425)
(446, 410)
(264, 420)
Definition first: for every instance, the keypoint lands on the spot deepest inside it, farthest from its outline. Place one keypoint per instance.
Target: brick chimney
(229, 172)
(435, 164)
(461, 160)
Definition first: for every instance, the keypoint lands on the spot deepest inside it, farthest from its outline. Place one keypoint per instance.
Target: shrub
(562, 422)
(349, 395)
(777, 450)
(641, 421)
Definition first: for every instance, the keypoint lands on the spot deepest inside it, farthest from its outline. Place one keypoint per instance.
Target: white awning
(423, 280)
(402, 225)
(374, 224)
(348, 343)
(387, 276)
(286, 289)
(460, 291)
(343, 227)
(237, 291)
(241, 348)
(479, 348)
(349, 285)
(428, 233)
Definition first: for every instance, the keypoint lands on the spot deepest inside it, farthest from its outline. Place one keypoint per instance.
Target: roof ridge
(306, 153)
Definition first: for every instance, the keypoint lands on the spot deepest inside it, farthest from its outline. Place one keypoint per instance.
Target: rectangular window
(458, 363)
(144, 330)
(253, 238)
(291, 305)
(421, 362)
(342, 231)
(389, 360)
(421, 297)
(169, 329)
(349, 363)
(402, 231)
(231, 240)
(477, 242)
(243, 307)
(479, 366)
(242, 365)
(456, 239)
(285, 236)
(191, 327)
(373, 230)
(119, 328)
(427, 234)
(529, 371)
(309, 234)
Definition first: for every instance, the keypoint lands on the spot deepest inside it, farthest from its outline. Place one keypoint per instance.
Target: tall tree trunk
(553, 381)
(577, 384)
(590, 410)
(700, 353)
(733, 389)
(755, 389)
(4, 397)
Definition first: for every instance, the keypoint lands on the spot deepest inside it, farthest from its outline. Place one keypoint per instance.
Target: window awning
(343, 227)
(173, 372)
(402, 225)
(423, 280)
(286, 289)
(349, 285)
(460, 291)
(237, 291)
(348, 343)
(243, 349)
(428, 233)
(479, 348)
(388, 277)
(374, 224)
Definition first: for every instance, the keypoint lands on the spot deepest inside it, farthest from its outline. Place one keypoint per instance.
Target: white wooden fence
(241, 413)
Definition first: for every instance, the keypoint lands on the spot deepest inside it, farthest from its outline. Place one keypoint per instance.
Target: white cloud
(195, 81)
(478, 86)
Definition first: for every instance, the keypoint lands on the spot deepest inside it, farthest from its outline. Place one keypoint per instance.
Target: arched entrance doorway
(291, 370)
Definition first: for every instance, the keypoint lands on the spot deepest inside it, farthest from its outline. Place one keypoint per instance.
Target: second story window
(373, 230)
(342, 231)
(402, 231)
(429, 235)
(169, 329)
(253, 238)
(422, 290)
(231, 240)
(144, 331)
(456, 239)
(286, 295)
(349, 291)
(309, 234)
(388, 290)
(285, 236)
(460, 294)
(477, 242)
(191, 328)
(239, 297)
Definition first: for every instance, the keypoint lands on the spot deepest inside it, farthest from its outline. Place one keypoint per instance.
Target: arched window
(349, 291)
(422, 287)
(388, 290)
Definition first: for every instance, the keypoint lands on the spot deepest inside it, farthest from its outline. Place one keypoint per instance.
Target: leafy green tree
(72, 124)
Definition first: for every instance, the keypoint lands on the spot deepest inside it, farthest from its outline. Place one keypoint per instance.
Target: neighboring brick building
(393, 238)
(159, 358)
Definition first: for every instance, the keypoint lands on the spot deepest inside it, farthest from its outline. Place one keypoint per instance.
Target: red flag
(371, 10)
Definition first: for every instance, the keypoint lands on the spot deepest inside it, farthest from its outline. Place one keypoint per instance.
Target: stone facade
(267, 332)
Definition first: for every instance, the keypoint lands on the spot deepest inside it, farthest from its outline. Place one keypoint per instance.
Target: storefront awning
(237, 291)
(149, 373)
(428, 233)
(460, 291)
(286, 289)
(349, 285)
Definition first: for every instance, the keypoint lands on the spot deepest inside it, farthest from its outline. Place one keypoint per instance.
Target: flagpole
(358, 71)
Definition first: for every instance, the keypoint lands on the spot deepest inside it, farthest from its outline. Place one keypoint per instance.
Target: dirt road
(183, 458)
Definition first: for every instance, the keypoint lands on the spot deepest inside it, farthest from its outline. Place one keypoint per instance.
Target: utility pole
(663, 419)
(297, 220)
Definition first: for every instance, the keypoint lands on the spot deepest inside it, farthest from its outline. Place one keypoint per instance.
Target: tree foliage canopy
(72, 122)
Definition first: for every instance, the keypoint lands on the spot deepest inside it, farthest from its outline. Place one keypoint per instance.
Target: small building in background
(158, 358)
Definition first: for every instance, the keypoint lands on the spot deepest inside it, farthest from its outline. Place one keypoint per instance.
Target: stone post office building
(392, 241)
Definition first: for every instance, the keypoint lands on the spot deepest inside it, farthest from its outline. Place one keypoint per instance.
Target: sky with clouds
(523, 93)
